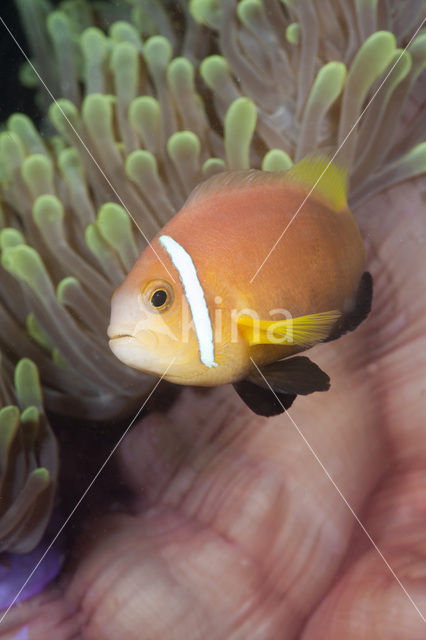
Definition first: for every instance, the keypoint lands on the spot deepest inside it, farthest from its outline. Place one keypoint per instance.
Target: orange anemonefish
(197, 305)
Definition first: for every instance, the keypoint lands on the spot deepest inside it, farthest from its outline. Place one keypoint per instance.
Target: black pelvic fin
(352, 319)
(297, 375)
(288, 378)
(262, 401)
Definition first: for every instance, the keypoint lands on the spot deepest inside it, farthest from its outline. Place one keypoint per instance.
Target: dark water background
(13, 97)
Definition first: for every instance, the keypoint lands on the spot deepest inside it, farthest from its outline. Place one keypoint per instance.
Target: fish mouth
(146, 340)
(129, 350)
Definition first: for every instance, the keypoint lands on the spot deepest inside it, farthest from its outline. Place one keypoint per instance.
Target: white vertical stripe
(195, 295)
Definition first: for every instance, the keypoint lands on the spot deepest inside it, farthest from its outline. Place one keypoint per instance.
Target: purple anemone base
(15, 569)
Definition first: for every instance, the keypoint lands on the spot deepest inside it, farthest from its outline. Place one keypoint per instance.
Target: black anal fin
(351, 320)
(288, 378)
(262, 401)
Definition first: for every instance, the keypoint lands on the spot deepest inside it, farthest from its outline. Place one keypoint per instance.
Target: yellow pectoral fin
(302, 331)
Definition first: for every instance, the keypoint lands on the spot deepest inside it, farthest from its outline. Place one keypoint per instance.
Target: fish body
(222, 312)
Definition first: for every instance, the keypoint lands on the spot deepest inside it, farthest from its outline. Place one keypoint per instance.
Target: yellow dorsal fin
(303, 331)
(326, 179)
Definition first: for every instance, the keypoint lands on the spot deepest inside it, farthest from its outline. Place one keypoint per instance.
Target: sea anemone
(150, 101)
(28, 459)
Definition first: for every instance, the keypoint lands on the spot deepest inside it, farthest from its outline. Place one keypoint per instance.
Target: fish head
(151, 326)
(148, 324)
(154, 328)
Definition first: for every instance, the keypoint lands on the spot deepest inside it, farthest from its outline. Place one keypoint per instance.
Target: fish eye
(158, 295)
(159, 298)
